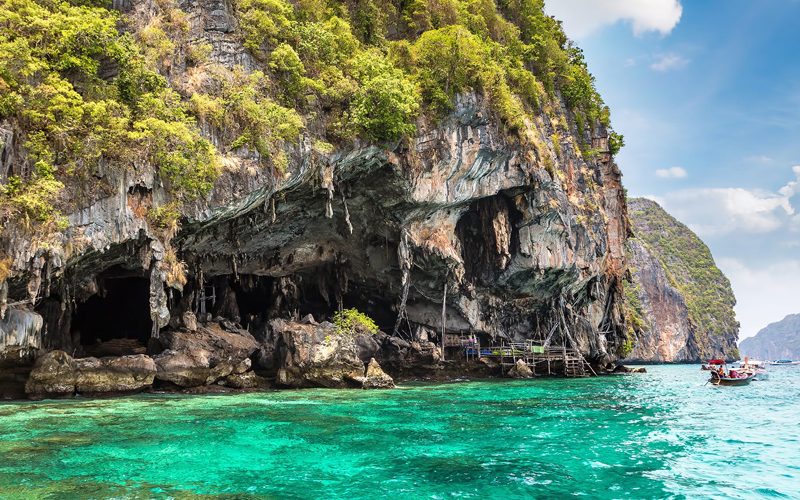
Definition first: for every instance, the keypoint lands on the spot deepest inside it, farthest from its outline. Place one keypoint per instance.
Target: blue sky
(707, 94)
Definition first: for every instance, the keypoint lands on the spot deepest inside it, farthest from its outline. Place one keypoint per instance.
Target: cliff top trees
(88, 86)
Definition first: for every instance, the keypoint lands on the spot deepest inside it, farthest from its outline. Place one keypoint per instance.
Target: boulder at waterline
(56, 373)
(376, 378)
(520, 370)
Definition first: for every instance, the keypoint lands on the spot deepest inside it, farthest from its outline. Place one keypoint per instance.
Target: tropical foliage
(92, 89)
(352, 322)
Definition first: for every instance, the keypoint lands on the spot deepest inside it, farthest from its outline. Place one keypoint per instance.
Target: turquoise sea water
(661, 434)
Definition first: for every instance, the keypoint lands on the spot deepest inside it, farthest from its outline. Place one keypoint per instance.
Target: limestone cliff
(505, 225)
(779, 340)
(680, 305)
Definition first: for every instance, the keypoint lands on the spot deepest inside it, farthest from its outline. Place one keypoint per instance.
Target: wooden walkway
(540, 359)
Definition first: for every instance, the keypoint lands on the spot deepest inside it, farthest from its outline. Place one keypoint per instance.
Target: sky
(707, 95)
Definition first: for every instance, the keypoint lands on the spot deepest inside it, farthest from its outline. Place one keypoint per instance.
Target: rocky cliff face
(779, 340)
(680, 304)
(462, 226)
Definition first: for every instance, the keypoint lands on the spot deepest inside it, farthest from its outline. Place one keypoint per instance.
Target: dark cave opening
(116, 320)
(476, 230)
(254, 295)
(379, 309)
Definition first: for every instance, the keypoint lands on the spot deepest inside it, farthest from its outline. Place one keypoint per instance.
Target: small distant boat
(754, 367)
(783, 362)
(743, 379)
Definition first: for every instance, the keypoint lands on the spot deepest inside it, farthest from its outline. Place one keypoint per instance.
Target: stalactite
(347, 215)
(406, 260)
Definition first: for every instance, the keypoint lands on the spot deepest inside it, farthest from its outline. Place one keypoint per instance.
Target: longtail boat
(726, 379)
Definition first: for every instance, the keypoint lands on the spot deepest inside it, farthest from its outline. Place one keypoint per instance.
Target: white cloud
(721, 211)
(762, 159)
(671, 173)
(763, 295)
(584, 17)
(793, 187)
(668, 62)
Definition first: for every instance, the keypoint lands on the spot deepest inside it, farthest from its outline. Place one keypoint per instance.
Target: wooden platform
(540, 359)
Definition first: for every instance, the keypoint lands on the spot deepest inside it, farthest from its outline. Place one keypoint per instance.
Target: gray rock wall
(517, 234)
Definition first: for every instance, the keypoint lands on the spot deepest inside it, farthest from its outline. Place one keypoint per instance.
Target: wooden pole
(444, 312)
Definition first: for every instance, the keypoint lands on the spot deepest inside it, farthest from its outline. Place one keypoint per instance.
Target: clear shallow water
(662, 434)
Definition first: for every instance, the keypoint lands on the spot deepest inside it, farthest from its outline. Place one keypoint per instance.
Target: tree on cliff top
(89, 86)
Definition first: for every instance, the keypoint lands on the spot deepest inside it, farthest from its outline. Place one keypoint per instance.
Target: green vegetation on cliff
(88, 89)
(690, 268)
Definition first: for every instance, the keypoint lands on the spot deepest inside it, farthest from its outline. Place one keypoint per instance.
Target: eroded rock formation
(680, 303)
(462, 227)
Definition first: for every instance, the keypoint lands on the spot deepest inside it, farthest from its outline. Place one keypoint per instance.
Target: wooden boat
(716, 379)
(712, 364)
(754, 367)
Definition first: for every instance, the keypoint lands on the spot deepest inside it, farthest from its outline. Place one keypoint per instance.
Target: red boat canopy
(716, 361)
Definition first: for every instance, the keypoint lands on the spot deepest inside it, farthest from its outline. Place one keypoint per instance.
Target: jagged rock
(489, 363)
(56, 373)
(243, 366)
(376, 378)
(232, 345)
(628, 369)
(116, 374)
(520, 370)
(53, 374)
(203, 356)
(189, 321)
(185, 369)
(20, 336)
(316, 355)
(248, 380)
(400, 356)
(367, 347)
(508, 223)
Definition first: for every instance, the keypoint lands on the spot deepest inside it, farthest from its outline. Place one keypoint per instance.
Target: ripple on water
(661, 434)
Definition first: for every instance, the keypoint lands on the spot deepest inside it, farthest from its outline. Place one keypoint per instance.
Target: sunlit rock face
(685, 303)
(517, 237)
(670, 334)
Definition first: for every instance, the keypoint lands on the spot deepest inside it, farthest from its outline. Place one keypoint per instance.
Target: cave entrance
(254, 295)
(116, 320)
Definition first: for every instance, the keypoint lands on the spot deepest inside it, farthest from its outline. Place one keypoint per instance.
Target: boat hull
(717, 380)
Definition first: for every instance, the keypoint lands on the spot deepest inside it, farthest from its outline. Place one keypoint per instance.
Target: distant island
(679, 305)
(779, 340)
